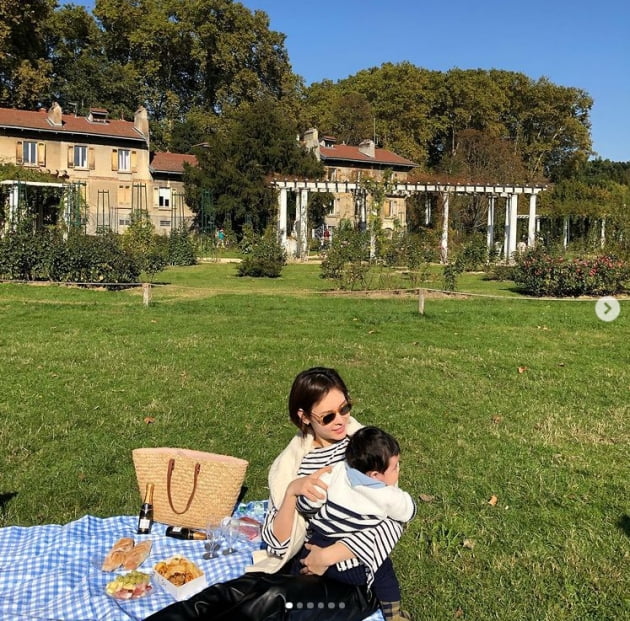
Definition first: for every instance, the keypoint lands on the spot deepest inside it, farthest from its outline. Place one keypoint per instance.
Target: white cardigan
(284, 470)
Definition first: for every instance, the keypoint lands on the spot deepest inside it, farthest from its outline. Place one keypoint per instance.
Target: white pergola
(444, 190)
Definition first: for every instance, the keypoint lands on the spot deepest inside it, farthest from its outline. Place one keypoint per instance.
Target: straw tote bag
(190, 487)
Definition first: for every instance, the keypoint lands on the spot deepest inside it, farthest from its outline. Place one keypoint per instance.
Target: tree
(24, 69)
(479, 157)
(213, 55)
(252, 144)
(81, 72)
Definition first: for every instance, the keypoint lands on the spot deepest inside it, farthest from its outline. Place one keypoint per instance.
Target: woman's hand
(316, 561)
(310, 486)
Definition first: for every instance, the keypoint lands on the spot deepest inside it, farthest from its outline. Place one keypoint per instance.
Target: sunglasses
(329, 417)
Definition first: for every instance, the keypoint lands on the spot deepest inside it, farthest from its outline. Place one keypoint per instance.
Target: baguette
(137, 555)
(117, 553)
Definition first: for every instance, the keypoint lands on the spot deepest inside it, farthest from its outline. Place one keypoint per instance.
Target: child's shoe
(393, 612)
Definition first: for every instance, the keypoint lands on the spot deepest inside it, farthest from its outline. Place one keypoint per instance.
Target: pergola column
(14, 202)
(427, 210)
(490, 228)
(602, 236)
(511, 212)
(531, 224)
(444, 238)
(301, 224)
(282, 217)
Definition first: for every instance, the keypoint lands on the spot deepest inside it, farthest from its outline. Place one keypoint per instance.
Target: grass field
(523, 400)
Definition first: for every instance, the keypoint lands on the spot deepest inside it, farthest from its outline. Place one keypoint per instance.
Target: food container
(186, 590)
(249, 529)
(129, 585)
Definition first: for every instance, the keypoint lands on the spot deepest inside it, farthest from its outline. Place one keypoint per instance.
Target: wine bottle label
(144, 524)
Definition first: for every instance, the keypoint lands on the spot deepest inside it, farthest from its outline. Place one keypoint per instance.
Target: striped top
(365, 514)
(362, 543)
(311, 462)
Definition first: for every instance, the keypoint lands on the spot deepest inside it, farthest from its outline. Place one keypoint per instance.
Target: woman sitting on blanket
(319, 405)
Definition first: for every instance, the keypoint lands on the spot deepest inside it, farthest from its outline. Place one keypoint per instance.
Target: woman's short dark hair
(311, 386)
(370, 449)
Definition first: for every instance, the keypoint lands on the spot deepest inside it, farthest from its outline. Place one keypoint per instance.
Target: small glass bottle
(145, 518)
(180, 532)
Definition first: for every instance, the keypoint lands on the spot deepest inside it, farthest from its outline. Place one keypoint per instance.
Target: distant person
(521, 247)
(221, 238)
(362, 493)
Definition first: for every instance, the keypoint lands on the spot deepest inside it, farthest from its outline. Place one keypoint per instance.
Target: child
(362, 493)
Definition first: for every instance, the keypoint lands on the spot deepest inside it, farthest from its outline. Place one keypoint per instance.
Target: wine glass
(213, 539)
(229, 530)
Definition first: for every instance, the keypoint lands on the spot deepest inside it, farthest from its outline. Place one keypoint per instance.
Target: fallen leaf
(153, 320)
(148, 420)
(497, 419)
(493, 501)
(522, 369)
(459, 613)
(426, 497)
(561, 364)
(468, 543)
(371, 331)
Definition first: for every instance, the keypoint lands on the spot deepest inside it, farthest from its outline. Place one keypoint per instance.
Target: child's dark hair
(370, 449)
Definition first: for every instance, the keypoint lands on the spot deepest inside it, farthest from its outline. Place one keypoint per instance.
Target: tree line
(218, 81)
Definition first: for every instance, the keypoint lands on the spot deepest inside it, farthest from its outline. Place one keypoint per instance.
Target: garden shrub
(474, 255)
(347, 258)
(540, 273)
(450, 273)
(248, 239)
(182, 249)
(500, 272)
(92, 259)
(46, 255)
(266, 259)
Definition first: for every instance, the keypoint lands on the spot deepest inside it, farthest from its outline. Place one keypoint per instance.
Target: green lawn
(212, 359)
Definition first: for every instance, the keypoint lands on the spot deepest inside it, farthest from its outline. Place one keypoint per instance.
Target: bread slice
(117, 554)
(137, 555)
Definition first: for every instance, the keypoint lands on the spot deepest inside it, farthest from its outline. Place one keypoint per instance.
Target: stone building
(108, 161)
(348, 163)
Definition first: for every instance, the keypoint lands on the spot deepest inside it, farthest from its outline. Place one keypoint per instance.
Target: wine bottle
(145, 518)
(179, 532)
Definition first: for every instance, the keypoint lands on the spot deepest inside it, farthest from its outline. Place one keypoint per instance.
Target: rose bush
(540, 273)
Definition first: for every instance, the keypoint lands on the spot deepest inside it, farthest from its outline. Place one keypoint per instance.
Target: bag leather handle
(171, 467)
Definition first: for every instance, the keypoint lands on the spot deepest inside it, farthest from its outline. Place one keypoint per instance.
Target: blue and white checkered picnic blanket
(52, 572)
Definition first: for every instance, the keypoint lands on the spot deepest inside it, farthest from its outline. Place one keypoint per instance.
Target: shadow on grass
(624, 524)
(5, 499)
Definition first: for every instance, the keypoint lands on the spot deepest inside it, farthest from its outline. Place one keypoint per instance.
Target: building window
(390, 209)
(165, 223)
(164, 198)
(80, 156)
(29, 154)
(124, 160)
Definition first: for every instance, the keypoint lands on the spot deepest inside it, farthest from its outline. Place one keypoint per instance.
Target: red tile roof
(352, 154)
(165, 161)
(71, 124)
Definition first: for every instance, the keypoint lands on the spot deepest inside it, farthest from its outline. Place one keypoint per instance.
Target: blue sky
(576, 43)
